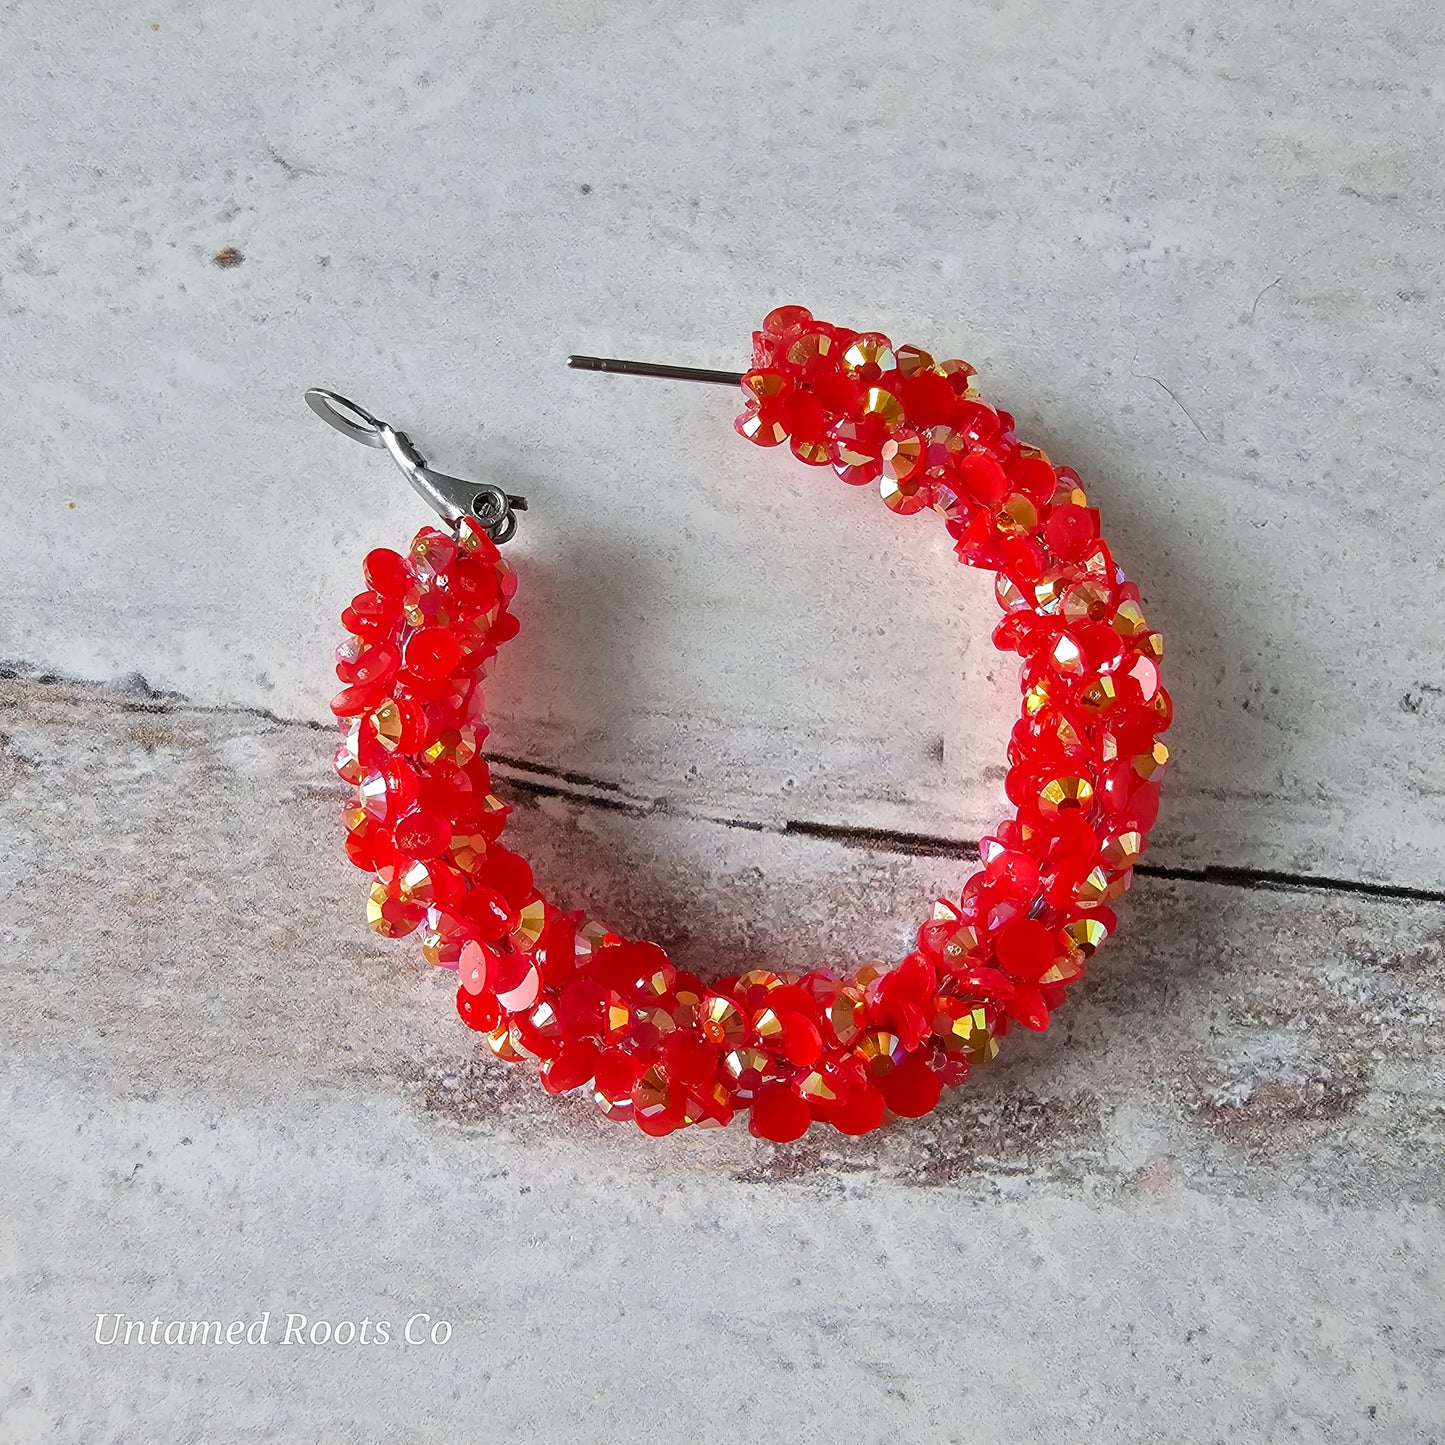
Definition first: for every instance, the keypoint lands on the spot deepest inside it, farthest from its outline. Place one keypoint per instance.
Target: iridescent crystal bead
(813, 350)
(654, 1094)
(456, 745)
(765, 422)
(1123, 850)
(963, 1027)
(468, 848)
(444, 936)
(1065, 794)
(429, 607)
(749, 1068)
(846, 1015)
(883, 1051)
(1087, 601)
(389, 913)
(883, 407)
(723, 1021)
(1151, 764)
(1087, 934)
(432, 553)
(906, 494)
(531, 923)
(868, 356)
(506, 1044)
(912, 359)
(753, 987)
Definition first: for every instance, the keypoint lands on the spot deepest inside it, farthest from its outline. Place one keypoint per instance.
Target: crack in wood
(544, 780)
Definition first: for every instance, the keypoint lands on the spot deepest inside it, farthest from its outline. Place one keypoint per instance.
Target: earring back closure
(453, 498)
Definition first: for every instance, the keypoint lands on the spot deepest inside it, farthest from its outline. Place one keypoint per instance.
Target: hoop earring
(615, 1017)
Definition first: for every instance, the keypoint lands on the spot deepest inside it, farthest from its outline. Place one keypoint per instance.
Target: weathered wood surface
(1195, 253)
(1206, 1205)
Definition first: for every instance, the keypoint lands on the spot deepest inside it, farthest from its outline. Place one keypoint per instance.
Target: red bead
(613, 1080)
(778, 1114)
(433, 652)
(387, 573)
(518, 981)
(861, 1113)
(474, 542)
(976, 421)
(359, 698)
(493, 917)
(689, 1059)
(478, 1011)
(423, 835)
(782, 319)
(1033, 477)
(477, 968)
(1025, 949)
(836, 393)
(580, 1008)
(982, 478)
(365, 663)
(1015, 872)
(1133, 729)
(572, 1067)
(1072, 840)
(1069, 529)
(474, 580)
(556, 950)
(802, 1043)
(389, 790)
(510, 875)
(1027, 1005)
(1100, 647)
(928, 399)
(988, 983)
(809, 425)
(370, 845)
(977, 540)
(912, 1089)
(371, 614)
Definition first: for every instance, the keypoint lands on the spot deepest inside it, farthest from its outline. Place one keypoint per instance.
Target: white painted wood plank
(1195, 254)
(1206, 1203)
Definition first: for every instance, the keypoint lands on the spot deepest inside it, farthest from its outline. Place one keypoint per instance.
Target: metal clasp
(493, 508)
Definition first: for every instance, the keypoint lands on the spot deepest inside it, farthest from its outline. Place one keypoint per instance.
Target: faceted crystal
(1065, 794)
(964, 1027)
(455, 745)
(868, 356)
(444, 936)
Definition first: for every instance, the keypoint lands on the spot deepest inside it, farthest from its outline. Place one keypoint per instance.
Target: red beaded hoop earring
(649, 1041)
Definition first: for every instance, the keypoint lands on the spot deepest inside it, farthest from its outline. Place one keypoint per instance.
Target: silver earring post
(652, 368)
(492, 508)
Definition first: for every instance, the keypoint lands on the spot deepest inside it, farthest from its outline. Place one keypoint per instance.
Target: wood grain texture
(1195, 255)
(225, 1098)
(751, 714)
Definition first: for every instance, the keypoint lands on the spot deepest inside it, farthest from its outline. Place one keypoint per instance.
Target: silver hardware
(490, 506)
(653, 368)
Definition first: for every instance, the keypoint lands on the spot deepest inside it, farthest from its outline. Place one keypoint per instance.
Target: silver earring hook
(491, 507)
